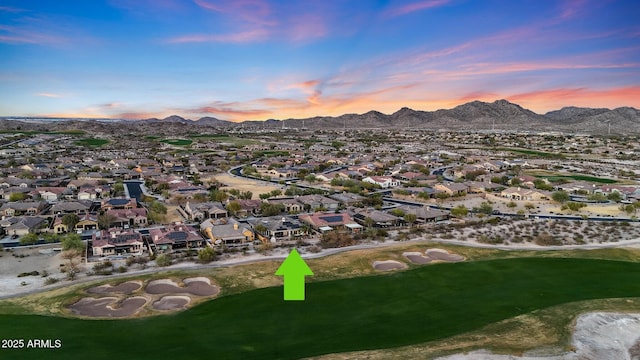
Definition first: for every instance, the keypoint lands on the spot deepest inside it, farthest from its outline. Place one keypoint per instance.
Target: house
(347, 198)
(177, 236)
(206, 210)
(517, 193)
(51, 194)
(478, 187)
(376, 218)
(425, 214)
(384, 182)
(126, 218)
(22, 225)
(248, 207)
(323, 221)
(16, 208)
(71, 207)
(116, 242)
(58, 227)
(316, 202)
(275, 228)
(118, 203)
(451, 189)
(291, 205)
(228, 233)
(86, 222)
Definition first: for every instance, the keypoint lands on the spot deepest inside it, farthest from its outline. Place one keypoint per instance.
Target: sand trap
(125, 288)
(172, 302)
(444, 255)
(388, 265)
(108, 306)
(417, 257)
(195, 286)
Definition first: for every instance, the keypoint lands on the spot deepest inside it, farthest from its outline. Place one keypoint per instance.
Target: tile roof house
(22, 225)
(177, 236)
(205, 210)
(128, 217)
(116, 242)
(517, 193)
(313, 202)
(323, 220)
(426, 214)
(378, 218)
(383, 181)
(15, 208)
(229, 233)
(119, 203)
(274, 228)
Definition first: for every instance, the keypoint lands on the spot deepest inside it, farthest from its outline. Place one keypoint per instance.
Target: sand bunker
(196, 286)
(125, 288)
(388, 265)
(108, 306)
(172, 302)
(431, 254)
(417, 257)
(444, 255)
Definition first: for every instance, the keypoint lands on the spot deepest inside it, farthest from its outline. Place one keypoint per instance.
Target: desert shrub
(30, 273)
(51, 280)
(206, 255)
(546, 239)
(122, 269)
(163, 260)
(336, 239)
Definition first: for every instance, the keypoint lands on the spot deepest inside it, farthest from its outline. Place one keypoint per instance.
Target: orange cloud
(553, 99)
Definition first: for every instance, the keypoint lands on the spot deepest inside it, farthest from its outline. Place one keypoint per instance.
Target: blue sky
(260, 59)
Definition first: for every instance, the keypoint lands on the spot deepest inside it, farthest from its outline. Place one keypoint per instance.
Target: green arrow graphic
(294, 269)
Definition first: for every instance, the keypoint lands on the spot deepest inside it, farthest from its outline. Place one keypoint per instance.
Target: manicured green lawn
(410, 307)
(542, 154)
(93, 142)
(581, 178)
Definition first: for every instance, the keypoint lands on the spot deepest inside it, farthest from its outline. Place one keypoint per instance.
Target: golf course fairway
(409, 307)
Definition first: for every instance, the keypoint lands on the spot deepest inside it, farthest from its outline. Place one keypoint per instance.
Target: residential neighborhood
(260, 190)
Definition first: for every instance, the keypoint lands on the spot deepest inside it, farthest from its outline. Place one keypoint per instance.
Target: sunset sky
(258, 59)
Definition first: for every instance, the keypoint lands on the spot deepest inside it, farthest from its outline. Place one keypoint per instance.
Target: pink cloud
(240, 37)
(11, 9)
(49, 95)
(572, 8)
(416, 6)
(306, 27)
(21, 35)
(256, 12)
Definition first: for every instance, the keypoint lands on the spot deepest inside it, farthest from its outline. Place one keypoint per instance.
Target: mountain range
(475, 116)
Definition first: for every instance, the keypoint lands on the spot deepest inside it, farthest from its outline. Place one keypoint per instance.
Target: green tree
(560, 196)
(206, 255)
(511, 204)
(163, 260)
(614, 196)
(459, 211)
(29, 239)
(17, 196)
(72, 241)
(410, 218)
(598, 197)
(233, 207)
(70, 221)
(105, 220)
(485, 208)
(628, 208)
(118, 189)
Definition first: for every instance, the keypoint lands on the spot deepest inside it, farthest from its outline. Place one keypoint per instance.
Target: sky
(262, 59)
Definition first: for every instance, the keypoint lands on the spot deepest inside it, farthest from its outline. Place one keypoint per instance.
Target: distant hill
(475, 115)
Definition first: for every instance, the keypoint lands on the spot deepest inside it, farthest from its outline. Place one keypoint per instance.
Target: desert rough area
(596, 336)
